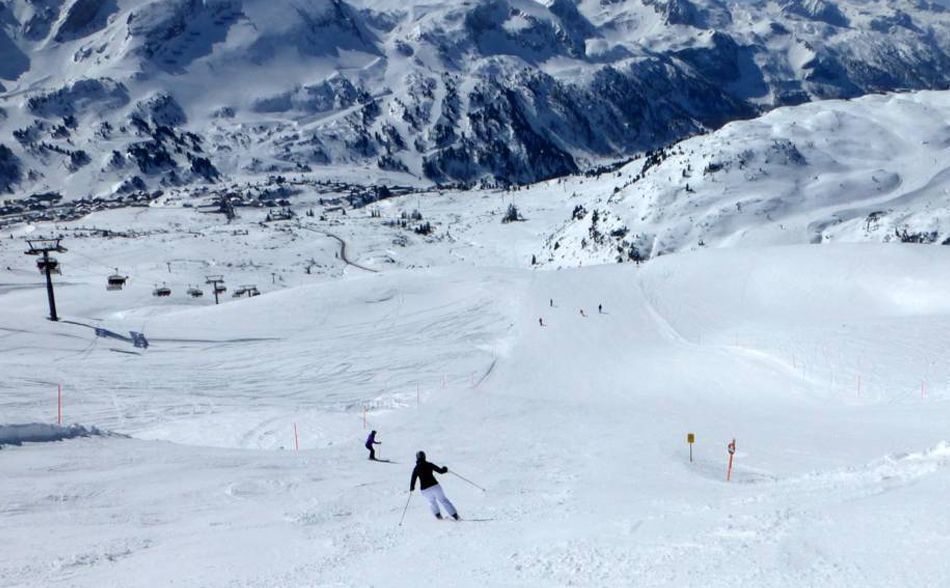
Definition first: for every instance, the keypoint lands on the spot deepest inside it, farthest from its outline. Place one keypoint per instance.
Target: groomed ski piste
(230, 452)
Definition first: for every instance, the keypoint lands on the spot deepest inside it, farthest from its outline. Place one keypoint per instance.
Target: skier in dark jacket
(370, 441)
(425, 473)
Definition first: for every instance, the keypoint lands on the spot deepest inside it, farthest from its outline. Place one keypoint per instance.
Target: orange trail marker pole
(296, 439)
(59, 404)
(690, 438)
(732, 450)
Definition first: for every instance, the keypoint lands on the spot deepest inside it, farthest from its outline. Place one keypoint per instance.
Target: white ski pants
(435, 495)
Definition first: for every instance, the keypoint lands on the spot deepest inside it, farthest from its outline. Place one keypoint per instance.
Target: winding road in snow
(343, 256)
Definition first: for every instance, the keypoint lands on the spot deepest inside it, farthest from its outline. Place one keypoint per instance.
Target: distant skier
(424, 472)
(583, 314)
(551, 301)
(600, 309)
(370, 441)
(540, 321)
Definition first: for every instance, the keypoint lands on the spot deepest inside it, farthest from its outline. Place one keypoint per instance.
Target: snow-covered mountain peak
(489, 90)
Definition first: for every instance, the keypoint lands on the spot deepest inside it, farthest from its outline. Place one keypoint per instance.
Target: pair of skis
(402, 518)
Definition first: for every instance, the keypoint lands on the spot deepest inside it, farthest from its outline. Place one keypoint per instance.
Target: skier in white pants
(425, 472)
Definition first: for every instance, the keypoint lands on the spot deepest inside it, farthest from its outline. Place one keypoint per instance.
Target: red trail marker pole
(732, 451)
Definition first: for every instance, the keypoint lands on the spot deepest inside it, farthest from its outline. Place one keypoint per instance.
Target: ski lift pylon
(218, 283)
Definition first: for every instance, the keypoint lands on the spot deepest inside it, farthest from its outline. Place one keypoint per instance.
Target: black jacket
(424, 472)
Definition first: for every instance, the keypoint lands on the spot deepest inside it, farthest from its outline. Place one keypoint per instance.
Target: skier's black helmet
(420, 456)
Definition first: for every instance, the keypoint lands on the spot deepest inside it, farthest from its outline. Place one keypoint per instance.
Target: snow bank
(43, 433)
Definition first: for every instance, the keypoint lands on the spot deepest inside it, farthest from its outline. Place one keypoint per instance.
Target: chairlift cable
(93, 260)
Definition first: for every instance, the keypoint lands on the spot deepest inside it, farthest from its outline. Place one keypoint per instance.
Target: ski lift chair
(53, 265)
(116, 281)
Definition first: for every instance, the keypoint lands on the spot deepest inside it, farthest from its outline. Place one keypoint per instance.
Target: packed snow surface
(566, 389)
(824, 363)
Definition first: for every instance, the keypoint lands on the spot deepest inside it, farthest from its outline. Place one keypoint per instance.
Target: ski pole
(467, 480)
(405, 509)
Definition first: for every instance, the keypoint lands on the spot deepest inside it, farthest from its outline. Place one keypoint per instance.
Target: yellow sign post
(690, 438)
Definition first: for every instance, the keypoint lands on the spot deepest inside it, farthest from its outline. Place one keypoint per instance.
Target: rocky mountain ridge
(105, 96)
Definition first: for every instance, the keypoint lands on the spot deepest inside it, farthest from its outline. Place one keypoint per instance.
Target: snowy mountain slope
(576, 429)
(872, 169)
(424, 316)
(506, 90)
(822, 362)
